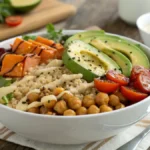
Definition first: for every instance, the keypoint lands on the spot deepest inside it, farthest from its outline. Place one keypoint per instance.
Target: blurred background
(114, 16)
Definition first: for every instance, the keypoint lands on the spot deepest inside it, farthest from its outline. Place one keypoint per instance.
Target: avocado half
(24, 5)
(80, 57)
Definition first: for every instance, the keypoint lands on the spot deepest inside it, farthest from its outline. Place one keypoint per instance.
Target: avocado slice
(134, 53)
(24, 5)
(86, 34)
(131, 50)
(80, 57)
(118, 57)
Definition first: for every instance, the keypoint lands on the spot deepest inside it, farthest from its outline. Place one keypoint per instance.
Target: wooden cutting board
(49, 11)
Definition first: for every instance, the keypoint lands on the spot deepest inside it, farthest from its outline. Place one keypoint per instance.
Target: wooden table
(102, 13)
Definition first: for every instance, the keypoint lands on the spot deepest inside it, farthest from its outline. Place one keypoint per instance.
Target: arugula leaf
(27, 37)
(53, 34)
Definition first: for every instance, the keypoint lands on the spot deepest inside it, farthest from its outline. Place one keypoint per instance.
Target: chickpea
(35, 110)
(60, 107)
(74, 103)
(105, 108)
(114, 100)
(58, 90)
(93, 109)
(50, 104)
(69, 112)
(81, 111)
(67, 96)
(87, 101)
(120, 106)
(102, 99)
(121, 98)
(43, 110)
(32, 97)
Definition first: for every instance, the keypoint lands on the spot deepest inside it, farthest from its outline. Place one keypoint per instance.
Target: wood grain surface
(48, 11)
(102, 13)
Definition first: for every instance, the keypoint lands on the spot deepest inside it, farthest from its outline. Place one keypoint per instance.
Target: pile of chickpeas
(70, 105)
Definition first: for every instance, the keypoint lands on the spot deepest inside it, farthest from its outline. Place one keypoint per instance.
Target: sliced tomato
(132, 95)
(106, 86)
(136, 71)
(117, 77)
(142, 83)
(13, 20)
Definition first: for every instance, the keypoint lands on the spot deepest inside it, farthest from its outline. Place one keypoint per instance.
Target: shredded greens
(7, 98)
(3, 83)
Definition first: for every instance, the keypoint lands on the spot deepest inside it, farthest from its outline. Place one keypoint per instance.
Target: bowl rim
(70, 32)
(138, 22)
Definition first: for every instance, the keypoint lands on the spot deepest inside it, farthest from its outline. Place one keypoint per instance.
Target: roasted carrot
(44, 41)
(31, 60)
(9, 61)
(16, 71)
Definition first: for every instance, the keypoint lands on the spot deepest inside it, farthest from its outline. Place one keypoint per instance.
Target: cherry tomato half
(142, 83)
(13, 20)
(106, 85)
(136, 71)
(132, 95)
(117, 77)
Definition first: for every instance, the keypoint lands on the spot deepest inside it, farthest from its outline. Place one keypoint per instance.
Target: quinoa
(45, 74)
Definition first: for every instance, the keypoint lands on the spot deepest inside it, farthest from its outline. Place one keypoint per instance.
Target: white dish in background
(73, 129)
(130, 10)
(143, 23)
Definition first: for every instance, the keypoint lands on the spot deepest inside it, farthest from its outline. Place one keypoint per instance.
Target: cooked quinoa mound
(48, 77)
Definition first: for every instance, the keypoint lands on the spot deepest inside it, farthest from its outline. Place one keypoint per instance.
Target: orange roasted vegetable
(46, 55)
(16, 71)
(44, 41)
(31, 60)
(22, 47)
(9, 61)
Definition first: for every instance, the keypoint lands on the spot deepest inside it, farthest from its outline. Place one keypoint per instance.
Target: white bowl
(142, 22)
(77, 129)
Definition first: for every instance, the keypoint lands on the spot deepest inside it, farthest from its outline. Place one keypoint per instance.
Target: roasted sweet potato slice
(46, 55)
(22, 47)
(31, 60)
(44, 41)
(60, 50)
(17, 71)
(9, 61)
(42, 45)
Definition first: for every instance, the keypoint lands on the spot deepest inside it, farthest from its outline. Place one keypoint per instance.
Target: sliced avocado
(132, 51)
(118, 57)
(86, 34)
(80, 57)
(24, 5)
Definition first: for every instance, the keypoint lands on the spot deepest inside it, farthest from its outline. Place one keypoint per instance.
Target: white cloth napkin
(107, 144)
